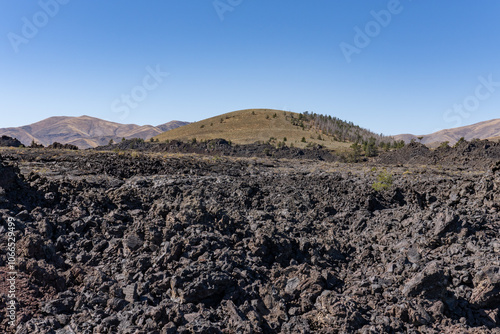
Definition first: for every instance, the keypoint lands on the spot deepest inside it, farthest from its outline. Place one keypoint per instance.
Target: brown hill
(83, 131)
(483, 130)
(253, 125)
(171, 125)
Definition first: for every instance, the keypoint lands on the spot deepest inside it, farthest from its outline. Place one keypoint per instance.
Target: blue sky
(390, 66)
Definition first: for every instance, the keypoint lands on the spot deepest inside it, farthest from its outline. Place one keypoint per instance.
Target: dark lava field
(144, 242)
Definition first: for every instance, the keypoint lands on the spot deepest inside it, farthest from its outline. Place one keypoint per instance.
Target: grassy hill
(251, 125)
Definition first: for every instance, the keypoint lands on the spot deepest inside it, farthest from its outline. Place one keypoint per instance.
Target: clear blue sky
(86, 57)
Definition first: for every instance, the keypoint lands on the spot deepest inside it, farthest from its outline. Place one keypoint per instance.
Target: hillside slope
(83, 131)
(483, 130)
(251, 125)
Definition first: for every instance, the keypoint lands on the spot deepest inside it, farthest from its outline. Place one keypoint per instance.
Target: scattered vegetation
(301, 129)
(459, 142)
(355, 154)
(341, 130)
(370, 148)
(35, 145)
(445, 144)
(384, 181)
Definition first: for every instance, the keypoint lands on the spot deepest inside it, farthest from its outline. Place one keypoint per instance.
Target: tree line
(344, 131)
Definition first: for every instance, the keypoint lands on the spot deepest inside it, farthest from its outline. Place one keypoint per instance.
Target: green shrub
(444, 144)
(384, 181)
(459, 142)
(356, 152)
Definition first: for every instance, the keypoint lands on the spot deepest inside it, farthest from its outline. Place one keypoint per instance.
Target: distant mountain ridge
(83, 131)
(482, 130)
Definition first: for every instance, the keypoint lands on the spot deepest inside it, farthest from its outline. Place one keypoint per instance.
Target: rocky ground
(154, 243)
(476, 154)
(222, 147)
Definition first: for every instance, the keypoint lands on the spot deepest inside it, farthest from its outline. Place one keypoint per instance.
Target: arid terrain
(163, 242)
(277, 127)
(83, 131)
(482, 130)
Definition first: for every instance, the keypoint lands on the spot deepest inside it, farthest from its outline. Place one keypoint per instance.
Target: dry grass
(251, 125)
(497, 138)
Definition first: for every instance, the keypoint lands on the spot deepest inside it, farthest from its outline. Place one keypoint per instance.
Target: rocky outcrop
(60, 146)
(6, 141)
(476, 154)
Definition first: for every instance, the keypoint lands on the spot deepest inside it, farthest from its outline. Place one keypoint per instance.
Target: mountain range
(245, 126)
(83, 131)
(482, 130)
